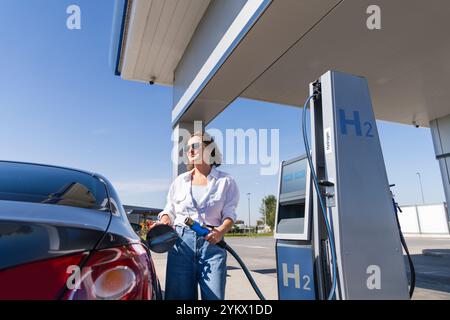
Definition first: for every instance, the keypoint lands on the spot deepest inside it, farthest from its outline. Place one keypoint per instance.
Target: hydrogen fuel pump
(335, 227)
(294, 249)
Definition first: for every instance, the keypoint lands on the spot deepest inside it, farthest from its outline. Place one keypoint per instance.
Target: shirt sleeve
(231, 201)
(169, 208)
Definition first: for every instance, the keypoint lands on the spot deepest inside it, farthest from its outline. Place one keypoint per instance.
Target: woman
(210, 197)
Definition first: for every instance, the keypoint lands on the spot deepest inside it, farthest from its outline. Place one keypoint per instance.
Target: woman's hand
(215, 236)
(164, 220)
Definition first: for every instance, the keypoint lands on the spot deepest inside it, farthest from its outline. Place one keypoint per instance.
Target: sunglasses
(194, 146)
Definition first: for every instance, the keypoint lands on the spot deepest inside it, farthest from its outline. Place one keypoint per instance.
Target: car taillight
(42, 280)
(114, 274)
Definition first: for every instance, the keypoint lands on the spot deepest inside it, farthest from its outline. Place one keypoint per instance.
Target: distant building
(140, 214)
(263, 229)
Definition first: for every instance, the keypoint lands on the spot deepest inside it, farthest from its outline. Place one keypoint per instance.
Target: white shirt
(218, 202)
(198, 191)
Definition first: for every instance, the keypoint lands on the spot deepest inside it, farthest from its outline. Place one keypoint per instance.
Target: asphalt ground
(431, 257)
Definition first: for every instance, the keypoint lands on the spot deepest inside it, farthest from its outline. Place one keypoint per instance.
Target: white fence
(424, 219)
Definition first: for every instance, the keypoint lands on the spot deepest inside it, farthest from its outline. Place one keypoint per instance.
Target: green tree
(267, 210)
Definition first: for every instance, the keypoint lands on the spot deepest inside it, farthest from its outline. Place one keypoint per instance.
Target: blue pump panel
(295, 273)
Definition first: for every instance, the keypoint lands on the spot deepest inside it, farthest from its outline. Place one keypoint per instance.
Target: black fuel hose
(258, 292)
(412, 271)
(202, 231)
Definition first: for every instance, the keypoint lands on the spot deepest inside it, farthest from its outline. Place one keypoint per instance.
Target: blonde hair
(215, 157)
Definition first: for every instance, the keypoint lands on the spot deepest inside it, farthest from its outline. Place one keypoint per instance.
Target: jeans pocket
(179, 230)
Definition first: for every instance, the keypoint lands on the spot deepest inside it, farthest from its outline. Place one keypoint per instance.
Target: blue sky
(61, 104)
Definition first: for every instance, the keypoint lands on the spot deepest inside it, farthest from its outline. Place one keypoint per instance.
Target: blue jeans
(194, 261)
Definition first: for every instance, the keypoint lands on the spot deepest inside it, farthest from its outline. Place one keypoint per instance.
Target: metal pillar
(440, 131)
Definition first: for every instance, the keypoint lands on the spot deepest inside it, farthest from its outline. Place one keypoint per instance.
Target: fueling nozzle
(197, 227)
(200, 230)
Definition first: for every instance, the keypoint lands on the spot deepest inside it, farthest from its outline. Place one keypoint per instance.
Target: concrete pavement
(258, 253)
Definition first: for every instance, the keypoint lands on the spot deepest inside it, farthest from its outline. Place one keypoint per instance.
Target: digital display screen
(294, 177)
(291, 205)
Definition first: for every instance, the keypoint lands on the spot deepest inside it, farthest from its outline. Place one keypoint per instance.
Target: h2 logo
(361, 129)
(296, 277)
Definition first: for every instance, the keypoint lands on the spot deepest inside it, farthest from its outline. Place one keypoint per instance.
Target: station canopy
(286, 44)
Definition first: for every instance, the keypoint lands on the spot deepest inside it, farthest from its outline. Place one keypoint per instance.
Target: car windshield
(51, 185)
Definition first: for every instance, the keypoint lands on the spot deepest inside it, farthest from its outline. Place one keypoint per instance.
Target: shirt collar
(214, 173)
(187, 175)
